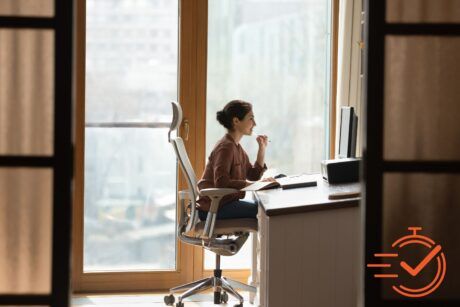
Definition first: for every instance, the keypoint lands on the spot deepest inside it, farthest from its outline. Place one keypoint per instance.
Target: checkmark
(422, 264)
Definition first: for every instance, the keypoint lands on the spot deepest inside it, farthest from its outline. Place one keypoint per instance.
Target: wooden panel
(411, 11)
(430, 201)
(262, 269)
(276, 262)
(325, 285)
(79, 159)
(310, 241)
(311, 259)
(421, 101)
(294, 266)
(348, 247)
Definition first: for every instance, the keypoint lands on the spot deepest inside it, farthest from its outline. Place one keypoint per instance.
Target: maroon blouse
(228, 167)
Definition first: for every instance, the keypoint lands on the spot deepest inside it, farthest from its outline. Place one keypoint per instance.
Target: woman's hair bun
(222, 119)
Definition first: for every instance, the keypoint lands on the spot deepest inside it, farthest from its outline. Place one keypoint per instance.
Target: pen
(267, 140)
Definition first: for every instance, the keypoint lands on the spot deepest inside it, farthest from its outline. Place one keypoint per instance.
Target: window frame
(146, 280)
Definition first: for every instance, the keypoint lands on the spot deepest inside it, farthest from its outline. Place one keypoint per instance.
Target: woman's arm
(255, 172)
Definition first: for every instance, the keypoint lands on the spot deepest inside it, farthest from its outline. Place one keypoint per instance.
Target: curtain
(349, 79)
(26, 92)
(27, 7)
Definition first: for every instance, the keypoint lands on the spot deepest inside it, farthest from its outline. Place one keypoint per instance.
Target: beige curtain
(26, 92)
(422, 98)
(25, 231)
(26, 129)
(349, 79)
(27, 7)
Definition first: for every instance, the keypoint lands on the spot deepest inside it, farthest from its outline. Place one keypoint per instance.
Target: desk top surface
(281, 202)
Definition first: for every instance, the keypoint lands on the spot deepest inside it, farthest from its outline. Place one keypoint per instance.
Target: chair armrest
(215, 194)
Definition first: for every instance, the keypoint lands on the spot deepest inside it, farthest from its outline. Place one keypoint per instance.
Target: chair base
(221, 286)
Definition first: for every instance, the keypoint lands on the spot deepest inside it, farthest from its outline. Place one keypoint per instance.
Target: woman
(228, 165)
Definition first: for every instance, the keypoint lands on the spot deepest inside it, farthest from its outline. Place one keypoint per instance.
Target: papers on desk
(289, 182)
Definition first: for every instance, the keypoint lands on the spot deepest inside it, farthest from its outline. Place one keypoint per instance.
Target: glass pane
(26, 92)
(421, 101)
(130, 197)
(25, 231)
(415, 11)
(130, 174)
(27, 7)
(429, 201)
(131, 60)
(274, 54)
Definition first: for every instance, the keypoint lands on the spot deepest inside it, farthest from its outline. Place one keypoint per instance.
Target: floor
(144, 300)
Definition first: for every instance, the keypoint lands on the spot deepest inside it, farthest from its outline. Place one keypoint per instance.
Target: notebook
(289, 182)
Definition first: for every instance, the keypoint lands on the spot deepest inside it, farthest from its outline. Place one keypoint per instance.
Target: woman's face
(245, 125)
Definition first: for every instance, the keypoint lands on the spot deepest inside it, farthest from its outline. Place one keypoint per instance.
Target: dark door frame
(61, 162)
(374, 164)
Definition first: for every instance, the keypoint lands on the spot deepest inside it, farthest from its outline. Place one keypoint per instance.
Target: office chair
(223, 237)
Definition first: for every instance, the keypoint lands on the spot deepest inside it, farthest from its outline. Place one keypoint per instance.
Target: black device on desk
(346, 168)
(341, 170)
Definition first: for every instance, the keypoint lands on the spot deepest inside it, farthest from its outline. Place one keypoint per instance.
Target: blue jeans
(234, 210)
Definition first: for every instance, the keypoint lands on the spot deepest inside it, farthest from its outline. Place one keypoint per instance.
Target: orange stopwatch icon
(434, 254)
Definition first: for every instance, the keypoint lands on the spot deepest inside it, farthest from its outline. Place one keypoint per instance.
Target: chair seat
(231, 226)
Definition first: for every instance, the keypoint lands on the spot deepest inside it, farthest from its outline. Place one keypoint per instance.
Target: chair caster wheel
(239, 305)
(179, 304)
(169, 300)
(224, 297)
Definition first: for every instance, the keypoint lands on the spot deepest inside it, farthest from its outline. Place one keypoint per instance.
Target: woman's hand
(262, 140)
(269, 179)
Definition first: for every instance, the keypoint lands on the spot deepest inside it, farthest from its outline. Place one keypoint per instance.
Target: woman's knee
(255, 208)
(251, 210)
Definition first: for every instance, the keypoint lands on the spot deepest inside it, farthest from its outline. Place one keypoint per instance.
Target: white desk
(308, 247)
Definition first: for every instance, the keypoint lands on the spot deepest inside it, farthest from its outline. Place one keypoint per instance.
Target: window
(132, 56)
(130, 177)
(274, 54)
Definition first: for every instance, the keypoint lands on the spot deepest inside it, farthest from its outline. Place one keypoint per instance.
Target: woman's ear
(235, 120)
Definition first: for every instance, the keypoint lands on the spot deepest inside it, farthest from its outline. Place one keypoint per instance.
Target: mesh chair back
(186, 166)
